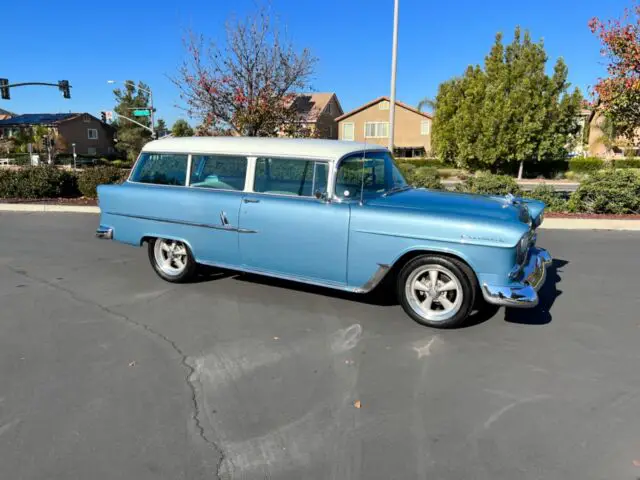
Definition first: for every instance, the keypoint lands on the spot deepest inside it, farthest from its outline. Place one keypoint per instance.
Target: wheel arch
(409, 255)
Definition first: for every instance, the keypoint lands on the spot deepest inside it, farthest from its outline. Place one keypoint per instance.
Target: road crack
(191, 372)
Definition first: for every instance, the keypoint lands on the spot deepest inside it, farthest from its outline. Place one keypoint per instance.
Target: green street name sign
(141, 113)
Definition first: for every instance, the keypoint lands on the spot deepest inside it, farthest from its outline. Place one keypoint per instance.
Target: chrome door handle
(223, 219)
(250, 200)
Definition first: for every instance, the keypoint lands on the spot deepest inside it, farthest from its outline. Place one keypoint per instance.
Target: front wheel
(171, 259)
(436, 291)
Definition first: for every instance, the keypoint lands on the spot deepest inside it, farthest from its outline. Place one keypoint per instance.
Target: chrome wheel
(434, 292)
(171, 256)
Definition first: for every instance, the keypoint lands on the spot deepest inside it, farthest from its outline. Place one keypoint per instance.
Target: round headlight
(522, 248)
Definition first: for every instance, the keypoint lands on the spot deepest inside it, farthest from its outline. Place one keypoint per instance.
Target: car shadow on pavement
(541, 314)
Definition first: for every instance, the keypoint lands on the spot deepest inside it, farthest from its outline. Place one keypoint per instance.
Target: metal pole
(394, 62)
(153, 125)
(74, 156)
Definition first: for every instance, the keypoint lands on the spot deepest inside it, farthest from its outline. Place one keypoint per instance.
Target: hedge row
(51, 182)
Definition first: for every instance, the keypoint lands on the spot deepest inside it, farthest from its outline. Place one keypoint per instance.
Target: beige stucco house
(370, 123)
(601, 146)
(318, 113)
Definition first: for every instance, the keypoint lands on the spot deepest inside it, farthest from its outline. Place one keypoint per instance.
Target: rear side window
(218, 172)
(161, 169)
(302, 178)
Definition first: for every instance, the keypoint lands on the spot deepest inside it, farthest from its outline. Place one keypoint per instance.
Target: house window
(376, 129)
(86, 118)
(91, 151)
(329, 110)
(92, 133)
(384, 105)
(425, 127)
(347, 131)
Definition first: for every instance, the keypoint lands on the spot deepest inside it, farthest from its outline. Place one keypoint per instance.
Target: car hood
(440, 202)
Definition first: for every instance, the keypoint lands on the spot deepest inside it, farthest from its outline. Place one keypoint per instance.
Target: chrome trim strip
(292, 278)
(375, 279)
(524, 294)
(104, 232)
(182, 222)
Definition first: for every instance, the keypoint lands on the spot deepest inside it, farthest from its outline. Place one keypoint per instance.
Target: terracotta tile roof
(378, 100)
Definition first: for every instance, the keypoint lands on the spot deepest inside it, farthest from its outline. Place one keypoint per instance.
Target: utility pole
(394, 61)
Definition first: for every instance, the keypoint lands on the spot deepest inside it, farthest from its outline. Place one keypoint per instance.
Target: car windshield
(368, 174)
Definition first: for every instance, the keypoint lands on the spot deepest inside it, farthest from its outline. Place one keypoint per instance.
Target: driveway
(108, 372)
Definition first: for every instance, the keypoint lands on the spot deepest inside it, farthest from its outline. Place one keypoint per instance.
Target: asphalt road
(107, 372)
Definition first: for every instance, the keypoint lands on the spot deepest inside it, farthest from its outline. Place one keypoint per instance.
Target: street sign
(141, 113)
(108, 116)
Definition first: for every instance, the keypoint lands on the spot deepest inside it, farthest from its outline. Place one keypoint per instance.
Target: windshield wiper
(396, 190)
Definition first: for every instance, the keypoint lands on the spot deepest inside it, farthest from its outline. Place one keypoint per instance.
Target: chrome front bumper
(104, 232)
(523, 294)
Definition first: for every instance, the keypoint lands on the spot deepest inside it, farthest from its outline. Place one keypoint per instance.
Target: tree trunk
(520, 170)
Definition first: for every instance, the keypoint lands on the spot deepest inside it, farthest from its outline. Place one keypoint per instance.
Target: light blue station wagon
(329, 213)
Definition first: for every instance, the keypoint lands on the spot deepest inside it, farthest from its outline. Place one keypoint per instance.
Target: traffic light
(63, 86)
(103, 117)
(4, 89)
(45, 142)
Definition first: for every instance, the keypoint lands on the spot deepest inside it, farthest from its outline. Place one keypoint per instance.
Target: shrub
(586, 165)
(626, 163)
(608, 191)
(421, 162)
(407, 170)
(90, 178)
(37, 182)
(426, 177)
(488, 183)
(552, 199)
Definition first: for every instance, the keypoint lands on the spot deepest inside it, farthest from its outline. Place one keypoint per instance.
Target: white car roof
(332, 150)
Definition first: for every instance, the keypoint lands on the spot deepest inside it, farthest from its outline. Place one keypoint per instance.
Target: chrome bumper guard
(104, 232)
(523, 294)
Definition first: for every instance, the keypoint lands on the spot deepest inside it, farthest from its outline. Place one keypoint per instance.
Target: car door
(217, 184)
(294, 233)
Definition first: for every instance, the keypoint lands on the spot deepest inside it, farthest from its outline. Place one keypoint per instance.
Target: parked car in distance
(329, 213)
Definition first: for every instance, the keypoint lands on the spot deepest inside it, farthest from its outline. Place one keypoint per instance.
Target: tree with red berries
(619, 94)
(248, 86)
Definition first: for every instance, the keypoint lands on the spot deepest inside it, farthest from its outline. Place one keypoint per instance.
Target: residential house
(318, 113)
(370, 123)
(4, 114)
(601, 145)
(88, 133)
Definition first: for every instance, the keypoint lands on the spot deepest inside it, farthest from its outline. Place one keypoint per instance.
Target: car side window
(302, 178)
(161, 169)
(220, 172)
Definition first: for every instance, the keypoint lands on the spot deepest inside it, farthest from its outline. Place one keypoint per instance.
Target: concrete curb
(43, 207)
(549, 223)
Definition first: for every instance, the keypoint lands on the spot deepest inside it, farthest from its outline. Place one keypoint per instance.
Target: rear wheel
(171, 259)
(436, 291)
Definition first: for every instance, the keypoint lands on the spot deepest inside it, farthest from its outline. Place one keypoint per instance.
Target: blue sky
(89, 43)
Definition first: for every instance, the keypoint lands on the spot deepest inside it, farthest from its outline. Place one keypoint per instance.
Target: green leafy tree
(161, 128)
(131, 137)
(508, 112)
(181, 129)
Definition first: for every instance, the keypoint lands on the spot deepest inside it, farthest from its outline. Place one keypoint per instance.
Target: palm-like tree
(428, 103)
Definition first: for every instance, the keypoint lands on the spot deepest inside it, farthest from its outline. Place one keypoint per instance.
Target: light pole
(129, 82)
(394, 61)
